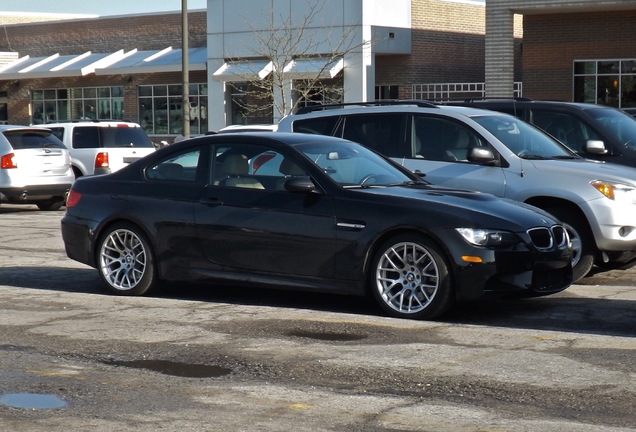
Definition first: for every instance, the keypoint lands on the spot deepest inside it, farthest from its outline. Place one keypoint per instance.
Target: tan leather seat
(235, 169)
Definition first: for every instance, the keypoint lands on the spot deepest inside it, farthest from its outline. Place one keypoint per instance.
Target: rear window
(23, 139)
(98, 137)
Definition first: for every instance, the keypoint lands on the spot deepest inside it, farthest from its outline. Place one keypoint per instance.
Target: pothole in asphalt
(326, 336)
(32, 401)
(166, 367)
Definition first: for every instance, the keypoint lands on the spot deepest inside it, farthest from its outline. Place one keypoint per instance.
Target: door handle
(211, 202)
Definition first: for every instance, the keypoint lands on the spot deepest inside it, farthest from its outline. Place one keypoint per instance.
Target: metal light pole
(185, 101)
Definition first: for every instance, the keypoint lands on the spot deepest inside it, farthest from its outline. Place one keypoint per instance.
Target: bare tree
(296, 41)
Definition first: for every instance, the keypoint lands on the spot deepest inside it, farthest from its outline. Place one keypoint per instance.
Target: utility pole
(185, 101)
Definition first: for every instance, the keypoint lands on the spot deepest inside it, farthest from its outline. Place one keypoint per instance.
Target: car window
(317, 126)
(353, 166)
(383, 133)
(618, 124)
(566, 127)
(182, 168)
(23, 139)
(85, 137)
(124, 137)
(252, 166)
(522, 138)
(442, 139)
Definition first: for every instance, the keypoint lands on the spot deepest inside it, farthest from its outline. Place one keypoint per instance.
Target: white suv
(497, 153)
(35, 167)
(102, 147)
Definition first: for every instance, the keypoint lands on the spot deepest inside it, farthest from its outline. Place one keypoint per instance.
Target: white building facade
(327, 39)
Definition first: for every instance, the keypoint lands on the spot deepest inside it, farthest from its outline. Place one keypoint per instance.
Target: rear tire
(50, 205)
(125, 261)
(409, 278)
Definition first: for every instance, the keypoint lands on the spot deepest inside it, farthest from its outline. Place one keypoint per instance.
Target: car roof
(523, 101)
(357, 109)
(4, 128)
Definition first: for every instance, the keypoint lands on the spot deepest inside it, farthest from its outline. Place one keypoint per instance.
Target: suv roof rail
(481, 98)
(418, 103)
(88, 121)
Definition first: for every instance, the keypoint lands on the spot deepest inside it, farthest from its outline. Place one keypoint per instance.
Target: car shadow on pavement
(563, 312)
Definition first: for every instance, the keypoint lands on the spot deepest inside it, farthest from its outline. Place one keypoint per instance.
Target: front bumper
(518, 271)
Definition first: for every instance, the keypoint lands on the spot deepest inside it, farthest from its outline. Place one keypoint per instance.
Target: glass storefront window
(605, 82)
(161, 113)
(77, 103)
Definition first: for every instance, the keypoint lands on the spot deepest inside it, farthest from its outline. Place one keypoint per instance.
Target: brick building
(130, 66)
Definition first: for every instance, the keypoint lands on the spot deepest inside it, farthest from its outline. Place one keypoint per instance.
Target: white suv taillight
(101, 160)
(7, 161)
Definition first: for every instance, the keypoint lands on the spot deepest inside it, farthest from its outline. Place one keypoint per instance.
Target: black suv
(593, 131)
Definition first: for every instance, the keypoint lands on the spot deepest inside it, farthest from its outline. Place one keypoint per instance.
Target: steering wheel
(366, 178)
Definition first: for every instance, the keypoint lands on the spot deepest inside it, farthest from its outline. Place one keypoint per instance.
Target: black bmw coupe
(308, 212)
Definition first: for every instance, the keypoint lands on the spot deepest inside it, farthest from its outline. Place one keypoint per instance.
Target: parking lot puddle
(175, 368)
(326, 336)
(32, 401)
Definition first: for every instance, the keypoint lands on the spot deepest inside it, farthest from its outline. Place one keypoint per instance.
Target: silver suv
(497, 153)
(102, 147)
(35, 167)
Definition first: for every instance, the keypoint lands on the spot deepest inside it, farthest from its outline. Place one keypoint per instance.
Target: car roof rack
(386, 102)
(480, 99)
(88, 121)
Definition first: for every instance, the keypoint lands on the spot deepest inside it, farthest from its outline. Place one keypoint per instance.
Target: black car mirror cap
(300, 184)
(595, 147)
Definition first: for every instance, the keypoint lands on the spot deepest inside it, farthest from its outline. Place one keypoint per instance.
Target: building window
(387, 92)
(450, 91)
(4, 102)
(160, 108)
(82, 103)
(605, 82)
(322, 92)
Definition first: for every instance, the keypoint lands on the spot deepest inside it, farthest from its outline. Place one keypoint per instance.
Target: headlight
(618, 192)
(488, 238)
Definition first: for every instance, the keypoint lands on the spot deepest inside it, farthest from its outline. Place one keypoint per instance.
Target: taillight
(73, 198)
(7, 161)
(101, 160)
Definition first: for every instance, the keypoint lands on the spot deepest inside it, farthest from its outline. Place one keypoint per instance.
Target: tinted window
(618, 124)
(383, 133)
(567, 128)
(124, 137)
(442, 139)
(85, 137)
(317, 126)
(21, 140)
(182, 167)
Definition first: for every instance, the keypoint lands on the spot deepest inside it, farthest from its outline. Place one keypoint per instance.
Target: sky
(97, 7)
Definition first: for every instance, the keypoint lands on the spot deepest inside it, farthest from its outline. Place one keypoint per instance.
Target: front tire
(409, 278)
(125, 261)
(582, 241)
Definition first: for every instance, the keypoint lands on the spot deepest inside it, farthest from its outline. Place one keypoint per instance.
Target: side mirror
(595, 147)
(482, 155)
(301, 184)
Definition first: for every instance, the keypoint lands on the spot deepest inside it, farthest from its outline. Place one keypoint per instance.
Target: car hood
(474, 207)
(585, 169)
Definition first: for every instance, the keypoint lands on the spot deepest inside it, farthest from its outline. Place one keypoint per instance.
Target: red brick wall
(106, 34)
(447, 46)
(552, 42)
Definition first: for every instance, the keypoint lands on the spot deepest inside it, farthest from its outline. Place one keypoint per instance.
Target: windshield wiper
(534, 157)
(567, 157)
(408, 183)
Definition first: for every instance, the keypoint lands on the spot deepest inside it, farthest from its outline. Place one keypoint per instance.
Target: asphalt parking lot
(223, 359)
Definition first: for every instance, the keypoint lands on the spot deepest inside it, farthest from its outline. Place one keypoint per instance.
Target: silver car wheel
(407, 278)
(122, 259)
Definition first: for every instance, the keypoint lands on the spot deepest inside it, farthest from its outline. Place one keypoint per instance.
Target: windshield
(618, 124)
(351, 165)
(523, 139)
